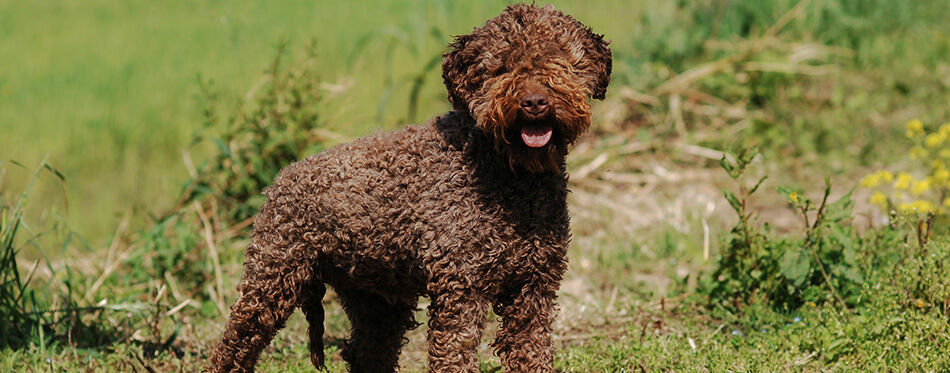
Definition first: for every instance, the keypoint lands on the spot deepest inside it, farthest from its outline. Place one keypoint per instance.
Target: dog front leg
(456, 322)
(524, 337)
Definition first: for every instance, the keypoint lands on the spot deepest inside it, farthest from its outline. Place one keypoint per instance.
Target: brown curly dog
(468, 209)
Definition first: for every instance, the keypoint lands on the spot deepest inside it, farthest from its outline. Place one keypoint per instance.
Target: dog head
(526, 76)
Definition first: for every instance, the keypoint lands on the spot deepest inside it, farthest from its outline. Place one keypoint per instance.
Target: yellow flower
(880, 200)
(940, 176)
(870, 181)
(918, 152)
(946, 202)
(935, 139)
(919, 303)
(873, 180)
(903, 181)
(920, 187)
(914, 128)
(945, 129)
(793, 196)
(918, 206)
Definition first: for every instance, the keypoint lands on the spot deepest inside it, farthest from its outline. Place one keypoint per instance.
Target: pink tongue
(536, 136)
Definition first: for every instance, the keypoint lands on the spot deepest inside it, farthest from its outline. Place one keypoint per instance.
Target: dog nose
(535, 104)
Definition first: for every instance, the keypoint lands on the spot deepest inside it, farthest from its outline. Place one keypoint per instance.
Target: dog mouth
(536, 135)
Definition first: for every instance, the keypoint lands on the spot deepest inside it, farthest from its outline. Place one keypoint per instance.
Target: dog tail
(313, 308)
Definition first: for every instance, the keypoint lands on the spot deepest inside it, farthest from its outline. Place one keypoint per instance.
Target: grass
(111, 92)
(133, 267)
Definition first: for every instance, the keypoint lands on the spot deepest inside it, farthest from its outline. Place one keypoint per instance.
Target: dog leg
(524, 337)
(379, 329)
(268, 297)
(456, 322)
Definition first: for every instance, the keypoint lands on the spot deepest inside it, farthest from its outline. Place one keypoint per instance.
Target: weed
(786, 273)
(278, 127)
(30, 316)
(749, 260)
(829, 245)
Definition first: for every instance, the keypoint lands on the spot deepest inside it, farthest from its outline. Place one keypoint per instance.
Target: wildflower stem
(810, 244)
(923, 237)
(827, 277)
(924, 229)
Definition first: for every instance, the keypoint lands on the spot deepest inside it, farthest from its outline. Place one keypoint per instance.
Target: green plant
(395, 39)
(785, 272)
(18, 308)
(278, 124)
(34, 312)
(749, 260)
(827, 255)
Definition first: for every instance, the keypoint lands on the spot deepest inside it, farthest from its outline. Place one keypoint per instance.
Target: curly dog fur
(469, 209)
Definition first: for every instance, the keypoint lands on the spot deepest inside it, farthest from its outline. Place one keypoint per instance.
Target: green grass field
(122, 253)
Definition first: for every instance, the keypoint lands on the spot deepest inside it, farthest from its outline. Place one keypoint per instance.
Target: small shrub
(784, 272)
(749, 258)
(828, 255)
(277, 125)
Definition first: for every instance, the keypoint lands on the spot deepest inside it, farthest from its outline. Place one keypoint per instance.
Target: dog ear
(455, 71)
(599, 50)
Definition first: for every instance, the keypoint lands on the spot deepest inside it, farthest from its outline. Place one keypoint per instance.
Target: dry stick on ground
(173, 286)
(796, 11)
(218, 278)
(177, 308)
(111, 261)
(237, 229)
